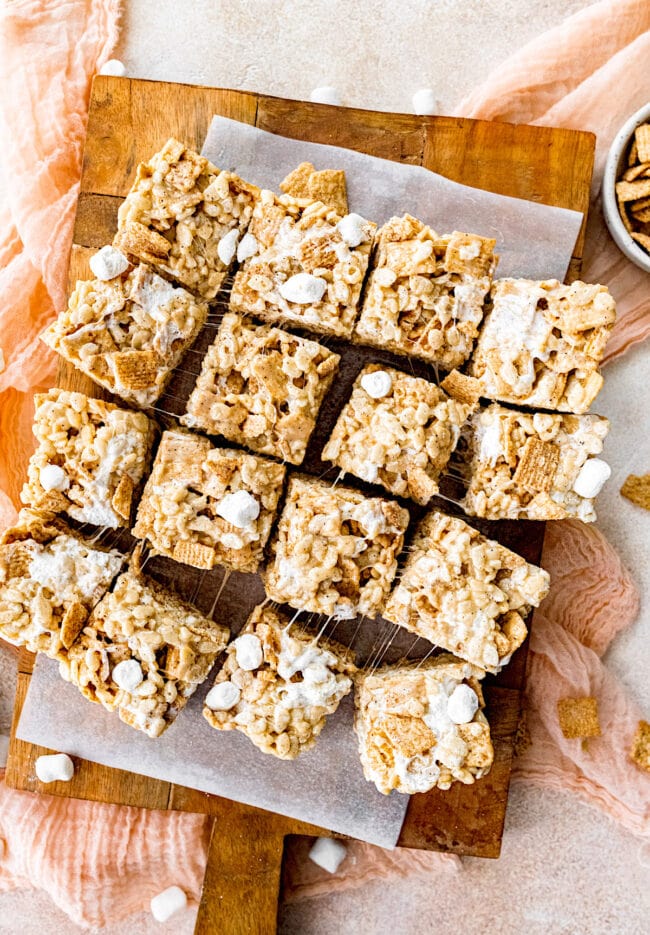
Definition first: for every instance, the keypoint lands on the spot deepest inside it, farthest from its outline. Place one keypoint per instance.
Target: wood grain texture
(130, 119)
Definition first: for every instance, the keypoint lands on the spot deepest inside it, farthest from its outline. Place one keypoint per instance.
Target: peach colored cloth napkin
(101, 862)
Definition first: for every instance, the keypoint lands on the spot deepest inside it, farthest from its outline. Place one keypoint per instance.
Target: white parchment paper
(533, 241)
(325, 786)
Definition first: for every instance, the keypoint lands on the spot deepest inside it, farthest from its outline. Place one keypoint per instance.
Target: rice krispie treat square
(184, 216)
(533, 465)
(127, 333)
(261, 387)
(425, 292)
(304, 265)
(278, 684)
(422, 726)
(50, 580)
(208, 506)
(143, 653)
(398, 431)
(578, 717)
(541, 343)
(90, 460)
(334, 551)
(466, 593)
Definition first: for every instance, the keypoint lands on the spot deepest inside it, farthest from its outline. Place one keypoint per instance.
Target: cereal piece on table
(334, 551)
(281, 698)
(541, 343)
(143, 653)
(206, 506)
(127, 333)
(640, 752)
(637, 490)
(307, 270)
(90, 460)
(465, 593)
(261, 387)
(50, 579)
(422, 726)
(177, 214)
(425, 292)
(398, 431)
(533, 465)
(578, 717)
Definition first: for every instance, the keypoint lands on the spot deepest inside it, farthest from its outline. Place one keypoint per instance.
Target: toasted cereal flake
(328, 186)
(642, 140)
(578, 717)
(537, 465)
(637, 489)
(640, 752)
(630, 191)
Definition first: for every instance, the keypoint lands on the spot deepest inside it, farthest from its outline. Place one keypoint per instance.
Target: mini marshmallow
(248, 247)
(377, 384)
(239, 509)
(168, 903)
(591, 479)
(128, 674)
(328, 854)
(223, 696)
(4, 750)
(55, 767)
(462, 704)
(425, 103)
(227, 247)
(303, 288)
(325, 95)
(248, 652)
(113, 67)
(350, 228)
(108, 263)
(53, 477)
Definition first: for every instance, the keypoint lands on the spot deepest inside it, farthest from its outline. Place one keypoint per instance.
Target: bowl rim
(613, 219)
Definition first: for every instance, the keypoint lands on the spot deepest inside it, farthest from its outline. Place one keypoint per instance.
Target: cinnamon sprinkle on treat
(578, 717)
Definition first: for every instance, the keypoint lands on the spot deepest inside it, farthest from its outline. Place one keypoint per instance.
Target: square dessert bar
(334, 551)
(90, 460)
(305, 265)
(208, 506)
(184, 216)
(398, 431)
(533, 465)
(261, 387)
(422, 726)
(466, 593)
(425, 293)
(143, 653)
(278, 684)
(50, 580)
(541, 343)
(129, 332)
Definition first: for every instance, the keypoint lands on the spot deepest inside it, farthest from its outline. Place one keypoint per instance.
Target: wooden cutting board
(128, 121)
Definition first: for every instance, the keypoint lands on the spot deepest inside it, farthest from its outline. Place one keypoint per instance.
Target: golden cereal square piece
(334, 551)
(180, 199)
(328, 186)
(421, 727)
(127, 333)
(215, 508)
(542, 342)
(261, 387)
(282, 282)
(50, 580)
(425, 292)
(462, 388)
(143, 653)
(505, 455)
(296, 184)
(578, 717)
(640, 752)
(630, 191)
(281, 704)
(90, 459)
(396, 430)
(637, 490)
(643, 239)
(465, 593)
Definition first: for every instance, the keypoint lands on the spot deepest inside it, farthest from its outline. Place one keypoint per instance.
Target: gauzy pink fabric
(101, 862)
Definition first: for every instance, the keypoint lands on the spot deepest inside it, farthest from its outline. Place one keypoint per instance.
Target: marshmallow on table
(303, 288)
(167, 903)
(424, 103)
(328, 854)
(325, 95)
(108, 263)
(54, 767)
(113, 67)
(591, 479)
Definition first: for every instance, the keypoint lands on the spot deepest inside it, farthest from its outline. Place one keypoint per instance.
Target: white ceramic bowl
(616, 161)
